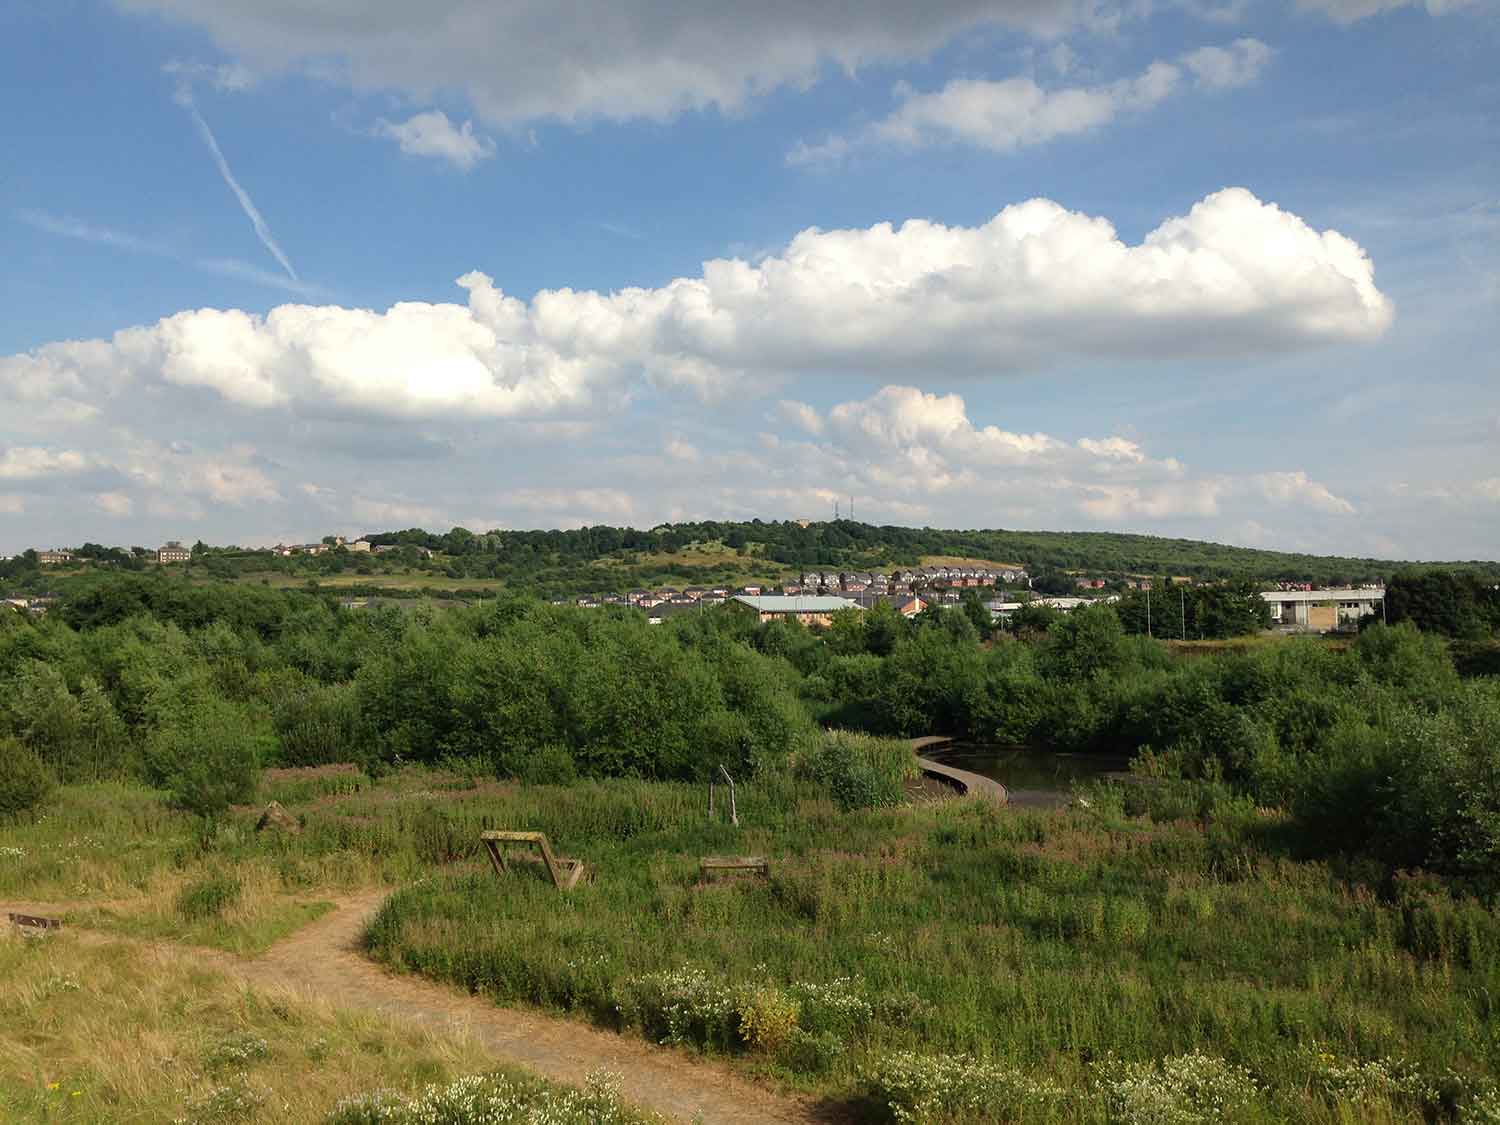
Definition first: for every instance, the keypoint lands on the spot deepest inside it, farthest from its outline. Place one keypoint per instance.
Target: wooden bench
(33, 922)
(758, 864)
(565, 873)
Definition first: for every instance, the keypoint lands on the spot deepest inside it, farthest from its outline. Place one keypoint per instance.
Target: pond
(1034, 778)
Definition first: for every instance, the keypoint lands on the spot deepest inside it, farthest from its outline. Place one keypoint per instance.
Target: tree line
(1378, 749)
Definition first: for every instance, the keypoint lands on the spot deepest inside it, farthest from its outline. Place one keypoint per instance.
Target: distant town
(813, 596)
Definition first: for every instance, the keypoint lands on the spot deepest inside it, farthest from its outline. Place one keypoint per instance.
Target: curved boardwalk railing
(973, 784)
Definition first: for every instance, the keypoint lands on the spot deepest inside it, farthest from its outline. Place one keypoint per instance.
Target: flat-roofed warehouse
(1322, 611)
(809, 610)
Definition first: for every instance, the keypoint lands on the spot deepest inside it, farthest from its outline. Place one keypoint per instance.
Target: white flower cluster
(490, 1099)
(60, 982)
(237, 1050)
(1182, 1090)
(233, 1101)
(1357, 1081)
(837, 1000)
(12, 853)
(684, 998)
(922, 1087)
(1483, 1108)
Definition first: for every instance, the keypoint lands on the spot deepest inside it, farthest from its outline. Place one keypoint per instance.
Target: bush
(768, 1018)
(551, 764)
(80, 737)
(492, 1099)
(206, 757)
(208, 897)
(25, 780)
(858, 771)
(318, 725)
(913, 1087)
(1185, 1089)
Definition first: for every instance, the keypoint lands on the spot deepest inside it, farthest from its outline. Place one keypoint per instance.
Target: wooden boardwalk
(971, 784)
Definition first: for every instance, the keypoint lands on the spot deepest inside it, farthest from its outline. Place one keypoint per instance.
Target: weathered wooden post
(734, 816)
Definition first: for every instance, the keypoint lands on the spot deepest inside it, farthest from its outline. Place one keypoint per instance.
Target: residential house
(659, 613)
(54, 557)
(173, 552)
(360, 546)
(910, 607)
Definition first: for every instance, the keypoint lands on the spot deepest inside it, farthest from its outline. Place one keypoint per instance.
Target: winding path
(972, 784)
(321, 961)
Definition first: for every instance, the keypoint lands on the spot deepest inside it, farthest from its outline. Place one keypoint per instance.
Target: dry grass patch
(93, 1030)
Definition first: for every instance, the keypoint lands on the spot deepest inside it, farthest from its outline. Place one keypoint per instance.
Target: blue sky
(1259, 304)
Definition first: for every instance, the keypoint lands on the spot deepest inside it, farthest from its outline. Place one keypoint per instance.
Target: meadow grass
(117, 1033)
(947, 960)
(1037, 943)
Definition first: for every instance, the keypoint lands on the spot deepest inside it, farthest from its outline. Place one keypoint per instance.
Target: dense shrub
(207, 897)
(317, 725)
(860, 772)
(207, 756)
(25, 780)
(78, 734)
(492, 1099)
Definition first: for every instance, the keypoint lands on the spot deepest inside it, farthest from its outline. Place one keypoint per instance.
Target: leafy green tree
(1455, 604)
(207, 756)
(884, 628)
(1084, 643)
(25, 780)
(845, 635)
(976, 613)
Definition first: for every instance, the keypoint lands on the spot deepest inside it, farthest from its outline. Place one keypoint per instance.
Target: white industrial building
(1321, 611)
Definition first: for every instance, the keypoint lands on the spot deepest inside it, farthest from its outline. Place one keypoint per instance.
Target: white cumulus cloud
(1016, 112)
(1224, 68)
(903, 447)
(432, 134)
(34, 462)
(1352, 11)
(1034, 286)
(525, 60)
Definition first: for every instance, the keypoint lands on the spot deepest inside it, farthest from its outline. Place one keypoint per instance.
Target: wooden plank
(565, 873)
(735, 863)
(34, 922)
(497, 860)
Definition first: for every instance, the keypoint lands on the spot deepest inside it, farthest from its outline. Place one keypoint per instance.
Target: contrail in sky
(263, 232)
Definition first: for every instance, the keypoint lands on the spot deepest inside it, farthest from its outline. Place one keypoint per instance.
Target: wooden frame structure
(566, 873)
(757, 864)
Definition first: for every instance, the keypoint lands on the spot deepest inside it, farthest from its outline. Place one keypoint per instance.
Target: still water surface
(1035, 778)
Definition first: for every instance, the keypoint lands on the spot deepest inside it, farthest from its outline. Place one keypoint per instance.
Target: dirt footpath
(321, 961)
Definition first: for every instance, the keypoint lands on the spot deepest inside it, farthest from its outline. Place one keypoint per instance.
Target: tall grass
(1037, 942)
(1032, 945)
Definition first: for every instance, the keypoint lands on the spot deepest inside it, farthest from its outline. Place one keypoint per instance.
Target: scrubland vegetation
(1288, 914)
